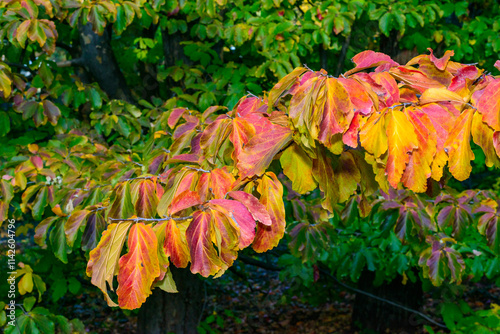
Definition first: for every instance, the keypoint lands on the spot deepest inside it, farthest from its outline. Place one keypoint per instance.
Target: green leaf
(122, 206)
(58, 242)
(74, 285)
(40, 203)
(28, 303)
(59, 289)
(46, 74)
(385, 24)
(4, 123)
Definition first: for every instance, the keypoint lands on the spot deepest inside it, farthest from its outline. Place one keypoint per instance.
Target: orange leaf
(368, 59)
(256, 209)
(138, 268)
(241, 134)
(238, 213)
(184, 200)
(337, 113)
(441, 62)
(418, 169)
(175, 245)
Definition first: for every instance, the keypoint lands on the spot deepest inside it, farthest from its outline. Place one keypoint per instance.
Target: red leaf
(257, 155)
(368, 59)
(441, 62)
(204, 259)
(489, 105)
(184, 200)
(175, 245)
(256, 209)
(240, 215)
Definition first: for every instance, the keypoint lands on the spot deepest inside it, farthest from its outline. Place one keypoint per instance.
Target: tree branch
(71, 62)
(21, 66)
(249, 260)
(141, 219)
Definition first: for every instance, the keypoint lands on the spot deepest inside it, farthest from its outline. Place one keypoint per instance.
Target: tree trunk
(375, 315)
(99, 60)
(177, 313)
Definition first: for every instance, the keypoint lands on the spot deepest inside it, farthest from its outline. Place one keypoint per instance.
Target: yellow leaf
(373, 136)
(458, 146)
(297, 166)
(440, 95)
(103, 259)
(402, 140)
(482, 135)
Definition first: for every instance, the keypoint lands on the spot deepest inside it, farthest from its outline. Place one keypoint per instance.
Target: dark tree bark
(372, 314)
(323, 58)
(177, 313)
(173, 49)
(99, 60)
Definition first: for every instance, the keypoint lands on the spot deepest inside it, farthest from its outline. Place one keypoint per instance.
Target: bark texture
(99, 61)
(177, 313)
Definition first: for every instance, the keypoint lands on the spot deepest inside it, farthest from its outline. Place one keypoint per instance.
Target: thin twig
(198, 169)
(71, 62)
(138, 219)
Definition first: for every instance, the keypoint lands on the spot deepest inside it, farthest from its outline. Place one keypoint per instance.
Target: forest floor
(257, 301)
